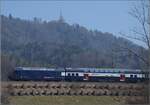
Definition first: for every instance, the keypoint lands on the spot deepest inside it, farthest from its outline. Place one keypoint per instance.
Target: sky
(106, 16)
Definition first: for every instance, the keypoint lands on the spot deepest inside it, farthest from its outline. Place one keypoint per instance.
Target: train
(78, 74)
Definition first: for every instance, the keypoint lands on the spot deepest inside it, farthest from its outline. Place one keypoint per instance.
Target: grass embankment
(65, 100)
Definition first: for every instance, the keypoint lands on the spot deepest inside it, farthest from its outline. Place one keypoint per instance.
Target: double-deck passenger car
(78, 74)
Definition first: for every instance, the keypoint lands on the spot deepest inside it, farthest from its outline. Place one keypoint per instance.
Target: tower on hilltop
(61, 18)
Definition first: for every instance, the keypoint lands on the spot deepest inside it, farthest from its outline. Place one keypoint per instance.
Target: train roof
(35, 68)
(112, 70)
(48, 69)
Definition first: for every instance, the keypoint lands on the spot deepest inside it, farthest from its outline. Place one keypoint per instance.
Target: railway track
(74, 88)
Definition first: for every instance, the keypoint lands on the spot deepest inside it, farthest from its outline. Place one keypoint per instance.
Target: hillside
(59, 44)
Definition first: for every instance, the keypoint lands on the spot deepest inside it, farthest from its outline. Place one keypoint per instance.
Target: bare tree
(142, 32)
(142, 14)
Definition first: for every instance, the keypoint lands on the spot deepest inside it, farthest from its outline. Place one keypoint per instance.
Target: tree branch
(130, 37)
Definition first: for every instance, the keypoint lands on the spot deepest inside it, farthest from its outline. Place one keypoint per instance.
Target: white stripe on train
(100, 74)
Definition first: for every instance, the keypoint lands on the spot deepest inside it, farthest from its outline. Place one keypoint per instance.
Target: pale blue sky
(106, 16)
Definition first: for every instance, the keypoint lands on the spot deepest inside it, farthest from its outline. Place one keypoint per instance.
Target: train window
(131, 76)
(68, 74)
(72, 74)
(77, 74)
(135, 76)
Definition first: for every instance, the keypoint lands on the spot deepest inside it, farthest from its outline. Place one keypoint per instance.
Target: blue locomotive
(77, 74)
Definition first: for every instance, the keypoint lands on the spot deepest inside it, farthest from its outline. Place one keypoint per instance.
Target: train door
(122, 77)
(86, 77)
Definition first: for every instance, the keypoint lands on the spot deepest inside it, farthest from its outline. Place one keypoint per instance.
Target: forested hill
(59, 44)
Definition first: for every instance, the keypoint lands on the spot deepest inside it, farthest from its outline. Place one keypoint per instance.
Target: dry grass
(65, 100)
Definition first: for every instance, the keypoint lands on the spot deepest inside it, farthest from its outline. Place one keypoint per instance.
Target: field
(65, 100)
(73, 97)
